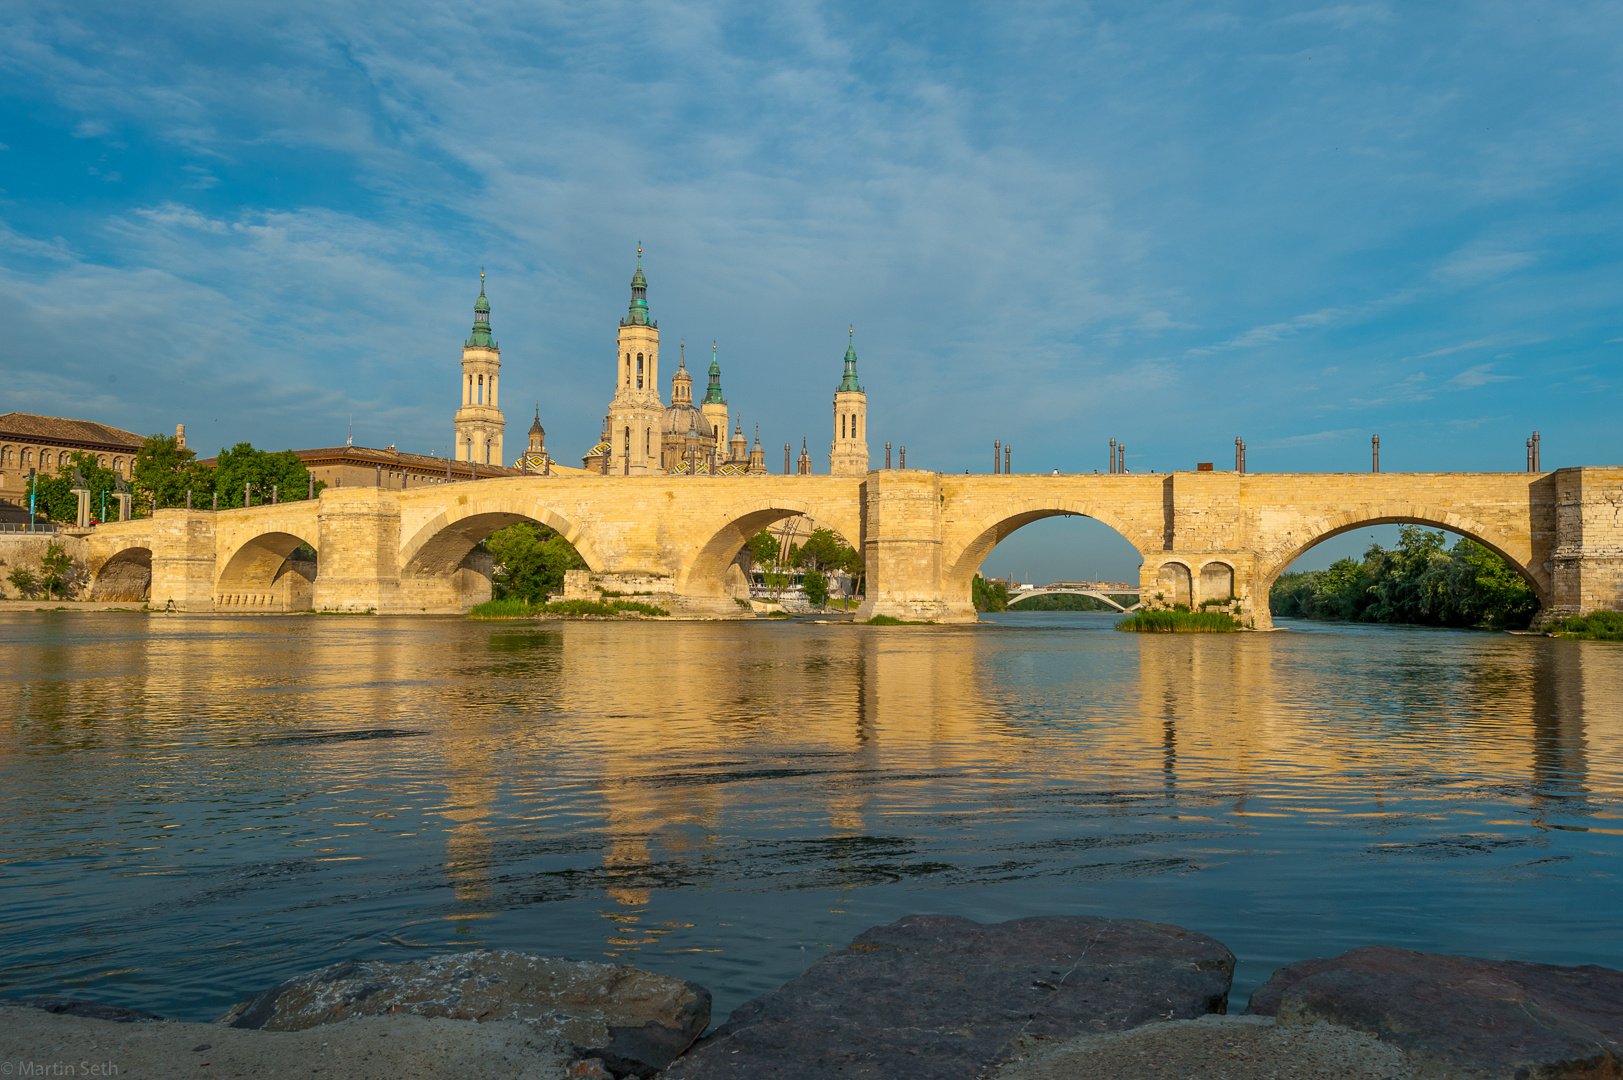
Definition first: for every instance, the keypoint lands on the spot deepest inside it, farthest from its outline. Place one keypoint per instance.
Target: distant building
(362, 466)
(29, 442)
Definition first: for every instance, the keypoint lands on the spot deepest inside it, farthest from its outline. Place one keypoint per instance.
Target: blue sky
(1050, 224)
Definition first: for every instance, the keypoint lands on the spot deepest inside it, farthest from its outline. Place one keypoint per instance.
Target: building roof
(28, 426)
(389, 458)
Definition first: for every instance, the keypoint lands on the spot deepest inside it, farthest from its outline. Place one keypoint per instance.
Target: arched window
(118, 464)
(842, 425)
(639, 371)
(628, 369)
(481, 399)
(853, 425)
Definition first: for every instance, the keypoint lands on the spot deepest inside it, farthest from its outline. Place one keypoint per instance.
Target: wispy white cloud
(1471, 378)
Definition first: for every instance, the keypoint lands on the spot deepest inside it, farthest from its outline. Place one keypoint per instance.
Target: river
(195, 808)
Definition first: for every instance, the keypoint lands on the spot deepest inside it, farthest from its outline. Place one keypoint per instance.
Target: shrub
(1596, 626)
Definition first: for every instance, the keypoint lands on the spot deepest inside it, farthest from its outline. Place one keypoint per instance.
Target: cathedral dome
(680, 417)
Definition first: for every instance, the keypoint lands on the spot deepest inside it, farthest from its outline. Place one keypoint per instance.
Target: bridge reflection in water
(237, 801)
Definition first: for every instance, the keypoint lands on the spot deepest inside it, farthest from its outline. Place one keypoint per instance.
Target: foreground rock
(372, 1048)
(1458, 1016)
(637, 1022)
(1212, 1048)
(934, 997)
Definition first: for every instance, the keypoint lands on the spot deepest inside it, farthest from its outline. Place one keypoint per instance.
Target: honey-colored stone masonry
(1204, 536)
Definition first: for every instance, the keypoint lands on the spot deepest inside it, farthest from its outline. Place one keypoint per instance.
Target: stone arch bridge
(1204, 536)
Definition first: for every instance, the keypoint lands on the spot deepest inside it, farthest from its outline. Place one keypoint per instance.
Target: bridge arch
(259, 574)
(441, 545)
(706, 573)
(124, 575)
(958, 569)
(1517, 551)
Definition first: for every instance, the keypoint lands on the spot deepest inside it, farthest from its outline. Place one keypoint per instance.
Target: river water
(196, 808)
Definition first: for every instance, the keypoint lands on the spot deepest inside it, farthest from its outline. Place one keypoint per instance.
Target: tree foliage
(763, 549)
(165, 469)
(1419, 582)
(530, 562)
(263, 469)
(57, 571)
(23, 580)
(989, 595)
(54, 497)
(815, 582)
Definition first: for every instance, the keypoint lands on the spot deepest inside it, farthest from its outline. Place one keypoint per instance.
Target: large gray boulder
(1459, 1016)
(933, 997)
(637, 1022)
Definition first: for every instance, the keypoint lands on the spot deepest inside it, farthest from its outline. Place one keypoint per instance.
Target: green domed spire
(713, 396)
(480, 338)
(638, 315)
(849, 383)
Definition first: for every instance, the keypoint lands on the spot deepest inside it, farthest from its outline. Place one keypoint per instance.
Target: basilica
(641, 434)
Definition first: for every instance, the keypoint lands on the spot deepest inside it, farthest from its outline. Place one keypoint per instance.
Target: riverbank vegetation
(1179, 620)
(1418, 582)
(530, 561)
(1596, 626)
(989, 595)
(513, 608)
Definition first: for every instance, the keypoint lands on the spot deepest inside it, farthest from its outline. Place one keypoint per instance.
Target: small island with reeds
(1179, 620)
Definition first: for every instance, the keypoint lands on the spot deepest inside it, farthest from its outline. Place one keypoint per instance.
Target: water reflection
(197, 807)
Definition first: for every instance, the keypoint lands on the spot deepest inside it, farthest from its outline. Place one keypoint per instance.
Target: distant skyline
(1052, 225)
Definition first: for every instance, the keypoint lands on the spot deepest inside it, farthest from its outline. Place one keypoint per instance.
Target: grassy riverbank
(519, 609)
(1596, 626)
(1179, 622)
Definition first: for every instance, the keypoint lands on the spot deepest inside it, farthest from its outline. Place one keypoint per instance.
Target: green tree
(57, 570)
(53, 494)
(815, 582)
(530, 562)
(1416, 582)
(989, 596)
(823, 550)
(166, 470)
(22, 579)
(763, 549)
(242, 464)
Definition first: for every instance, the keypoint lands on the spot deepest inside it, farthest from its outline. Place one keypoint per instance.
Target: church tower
(848, 454)
(479, 421)
(714, 407)
(637, 408)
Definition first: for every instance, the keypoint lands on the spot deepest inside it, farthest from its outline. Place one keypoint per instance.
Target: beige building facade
(33, 443)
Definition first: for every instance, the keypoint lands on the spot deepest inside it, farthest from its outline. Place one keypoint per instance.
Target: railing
(43, 527)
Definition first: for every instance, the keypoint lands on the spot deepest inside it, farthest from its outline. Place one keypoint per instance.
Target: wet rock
(1459, 1016)
(94, 1010)
(635, 1021)
(933, 997)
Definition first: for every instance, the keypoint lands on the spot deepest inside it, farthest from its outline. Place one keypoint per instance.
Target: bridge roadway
(923, 536)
